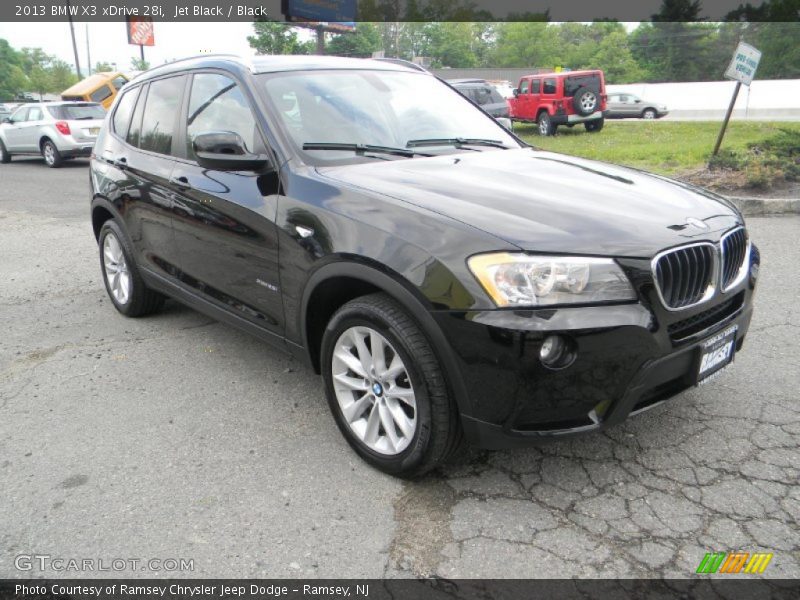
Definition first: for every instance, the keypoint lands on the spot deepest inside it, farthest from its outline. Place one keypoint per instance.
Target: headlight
(525, 280)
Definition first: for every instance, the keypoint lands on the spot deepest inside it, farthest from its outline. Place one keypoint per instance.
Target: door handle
(182, 183)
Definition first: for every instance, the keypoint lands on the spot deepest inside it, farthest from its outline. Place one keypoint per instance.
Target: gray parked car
(484, 94)
(55, 130)
(622, 105)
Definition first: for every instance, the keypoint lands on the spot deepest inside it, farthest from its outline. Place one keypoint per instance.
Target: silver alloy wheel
(544, 125)
(49, 153)
(649, 114)
(588, 101)
(374, 390)
(117, 273)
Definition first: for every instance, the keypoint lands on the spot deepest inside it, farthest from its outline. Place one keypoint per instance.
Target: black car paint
(232, 244)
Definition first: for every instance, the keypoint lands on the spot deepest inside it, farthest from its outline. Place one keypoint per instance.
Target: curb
(758, 207)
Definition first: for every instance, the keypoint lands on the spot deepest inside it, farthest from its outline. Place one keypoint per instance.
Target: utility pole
(88, 53)
(74, 44)
(320, 40)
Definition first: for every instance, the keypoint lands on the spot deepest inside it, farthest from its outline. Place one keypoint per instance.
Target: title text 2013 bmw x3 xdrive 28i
(447, 280)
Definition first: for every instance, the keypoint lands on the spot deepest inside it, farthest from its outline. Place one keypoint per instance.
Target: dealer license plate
(716, 353)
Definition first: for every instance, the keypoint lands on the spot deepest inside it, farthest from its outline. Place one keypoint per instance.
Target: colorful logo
(734, 562)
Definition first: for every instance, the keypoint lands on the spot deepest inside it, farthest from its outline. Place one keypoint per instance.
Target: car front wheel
(5, 157)
(386, 389)
(124, 284)
(546, 126)
(51, 155)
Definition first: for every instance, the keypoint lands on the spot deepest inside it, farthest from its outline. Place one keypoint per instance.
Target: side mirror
(515, 91)
(637, 100)
(7, 120)
(226, 151)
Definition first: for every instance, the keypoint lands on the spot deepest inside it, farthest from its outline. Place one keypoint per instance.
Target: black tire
(585, 101)
(545, 124)
(141, 300)
(5, 157)
(594, 126)
(52, 157)
(649, 113)
(438, 430)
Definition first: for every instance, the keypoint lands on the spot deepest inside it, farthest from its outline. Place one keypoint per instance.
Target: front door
(224, 221)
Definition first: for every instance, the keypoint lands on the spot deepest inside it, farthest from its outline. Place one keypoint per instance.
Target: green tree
(365, 40)
(61, 76)
(613, 55)
(527, 44)
(103, 67)
(139, 64)
(12, 77)
(277, 38)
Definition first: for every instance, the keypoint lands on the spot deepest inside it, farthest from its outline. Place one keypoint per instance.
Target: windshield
(77, 112)
(375, 108)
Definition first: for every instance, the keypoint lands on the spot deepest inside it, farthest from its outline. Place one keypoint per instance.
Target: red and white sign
(140, 31)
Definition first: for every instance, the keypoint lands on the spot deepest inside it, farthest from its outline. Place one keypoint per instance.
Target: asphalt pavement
(177, 437)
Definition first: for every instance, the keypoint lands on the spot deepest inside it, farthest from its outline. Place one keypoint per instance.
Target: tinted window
(537, 84)
(100, 94)
(217, 104)
(77, 112)
(118, 82)
(123, 112)
(160, 115)
(523, 87)
(571, 84)
(549, 86)
(19, 115)
(135, 129)
(35, 114)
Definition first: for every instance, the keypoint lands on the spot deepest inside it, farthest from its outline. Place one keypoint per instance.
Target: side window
(20, 115)
(34, 114)
(549, 86)
(160, 115)
(217, 104)
(523, 86)
(100, 94)
(483, 96)
(118, 82)
(537, 83)
(123, 112)
(135, 128)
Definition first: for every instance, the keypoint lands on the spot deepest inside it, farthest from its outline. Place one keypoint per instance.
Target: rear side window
(160, 115)
(549, 86)
(100, 94)
(572, 84)
(123, 112)
(537, 84)
(135, 128)
(217, 104)
(77, 112)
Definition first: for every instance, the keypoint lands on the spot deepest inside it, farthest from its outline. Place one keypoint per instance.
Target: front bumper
(629, 358)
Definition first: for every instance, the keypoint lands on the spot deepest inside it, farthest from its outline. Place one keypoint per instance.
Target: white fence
(772, 100)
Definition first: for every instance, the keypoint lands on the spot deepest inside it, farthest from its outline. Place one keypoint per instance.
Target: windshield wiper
(362, 148)
(457, 142)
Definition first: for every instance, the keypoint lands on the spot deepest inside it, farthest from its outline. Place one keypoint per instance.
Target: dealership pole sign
(141, 33)
(743, 64)
(741, 70)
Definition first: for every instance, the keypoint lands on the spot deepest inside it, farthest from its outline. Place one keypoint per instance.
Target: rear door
(225, 220)
(142, 160)
(535, 97)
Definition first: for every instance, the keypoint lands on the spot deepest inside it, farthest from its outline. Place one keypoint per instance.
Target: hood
(548, 202)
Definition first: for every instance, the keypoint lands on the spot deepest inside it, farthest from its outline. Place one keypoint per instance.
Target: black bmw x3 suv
(448, 281)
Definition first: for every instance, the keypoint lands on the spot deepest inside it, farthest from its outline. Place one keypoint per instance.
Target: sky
(109, 41)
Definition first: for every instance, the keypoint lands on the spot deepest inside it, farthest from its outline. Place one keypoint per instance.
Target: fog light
(556, 352)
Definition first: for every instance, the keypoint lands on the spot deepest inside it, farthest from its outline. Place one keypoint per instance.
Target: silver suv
(55, 130)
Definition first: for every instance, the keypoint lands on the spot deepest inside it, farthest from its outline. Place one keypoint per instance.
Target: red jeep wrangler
(553, 99)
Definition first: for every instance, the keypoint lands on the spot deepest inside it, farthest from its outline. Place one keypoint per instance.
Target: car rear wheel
(51, 155)
(386, 389)
(594, 126)
(124, 284)
(5, 157)
(649, 113)
(585, 101)
(546, 126)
